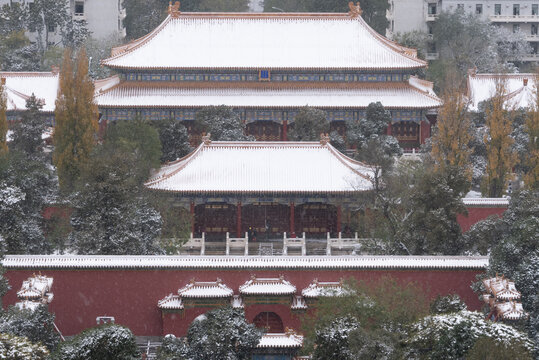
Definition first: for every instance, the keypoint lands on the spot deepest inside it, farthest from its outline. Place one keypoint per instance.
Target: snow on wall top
(263, 40)
(242, 262)
(154, 94)
(503, 202)
(212, 289)
(319, 288)
(267, 286)
(20, 86)
(520, 89)
(284, 340)
(263, 167)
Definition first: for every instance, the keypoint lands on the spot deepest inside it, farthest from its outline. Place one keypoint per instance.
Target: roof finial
(206, 138)
(355, 10)
(174, 10)
(324, 139)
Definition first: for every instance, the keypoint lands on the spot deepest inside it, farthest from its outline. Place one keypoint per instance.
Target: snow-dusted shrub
(447, 304)
(333, 341)
(20, 348)
(451, 336)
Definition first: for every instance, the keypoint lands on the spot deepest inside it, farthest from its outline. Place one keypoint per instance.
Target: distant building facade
(521, 15)
(267, 66)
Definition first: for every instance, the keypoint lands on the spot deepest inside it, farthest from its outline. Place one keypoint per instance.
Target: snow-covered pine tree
(3, 121)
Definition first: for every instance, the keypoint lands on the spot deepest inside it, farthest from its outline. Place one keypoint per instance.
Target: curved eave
(260, 107)
(236, 68)
(261, 192)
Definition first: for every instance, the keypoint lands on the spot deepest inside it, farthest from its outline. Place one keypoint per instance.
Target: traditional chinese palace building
(271, 187)
(267, 66)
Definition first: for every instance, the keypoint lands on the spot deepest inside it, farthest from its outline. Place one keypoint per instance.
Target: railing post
(328, 249)
(246, 244)
(203, 245)
(227, 244)
(285, 248)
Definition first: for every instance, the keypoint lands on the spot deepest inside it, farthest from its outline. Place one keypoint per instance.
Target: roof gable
(263, 167)
(263, 40)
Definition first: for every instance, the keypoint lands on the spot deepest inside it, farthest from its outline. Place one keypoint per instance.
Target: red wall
(131, 295)
(476, 214)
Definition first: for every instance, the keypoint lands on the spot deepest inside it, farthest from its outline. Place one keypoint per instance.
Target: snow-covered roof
(411, 95)
(36, 287)
(511, 310)
(321, 288)
(242, 262)
(28, 305)
(209, 289)
(170, 302)
(263, 167)
(289, 339)
(520, 89)
(105, 84)
(263, 41)
(19, 87)
(486, 202)
(267, 286)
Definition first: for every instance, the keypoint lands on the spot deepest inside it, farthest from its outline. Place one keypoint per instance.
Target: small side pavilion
(268, 188)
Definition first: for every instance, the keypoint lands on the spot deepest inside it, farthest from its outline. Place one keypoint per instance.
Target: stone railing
(195, 243)
(237, 243)
(294, 242)
(342, 243)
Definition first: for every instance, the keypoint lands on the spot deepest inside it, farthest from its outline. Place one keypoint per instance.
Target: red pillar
(192, 211)
(238, 220)
(292, 226)
(388, 130)
(339, 214)
(424, 131)
(284, 134)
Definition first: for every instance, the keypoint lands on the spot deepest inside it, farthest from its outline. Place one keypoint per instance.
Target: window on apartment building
(535, 9)
(516, 28)
(460, 6)
(79, 8)
(534, 29)
(497, 9)
(516, 9)
(432, 9)
(479, 9)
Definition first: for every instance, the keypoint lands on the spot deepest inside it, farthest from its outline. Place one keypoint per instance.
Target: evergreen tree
(500, 157)
(27, 133)
(174, 140)
(3, 122)
(309, 123)
(222, 122)
(450, 143)
(35, 325)
(531, 160)
(20, 348)
(45, 15)
(76, 120)
(106, 342)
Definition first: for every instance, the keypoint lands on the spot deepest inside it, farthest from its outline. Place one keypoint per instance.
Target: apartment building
(515, 15)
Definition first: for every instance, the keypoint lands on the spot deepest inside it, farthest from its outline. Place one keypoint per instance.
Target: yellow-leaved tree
(531, 177)
(3, 120)
(500, 156)
(453, 133)
(76, 119)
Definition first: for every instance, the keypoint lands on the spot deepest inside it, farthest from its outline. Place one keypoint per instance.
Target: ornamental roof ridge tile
(288, 339)
(267, 286)
(205, 289)
(486, 201)
(394, 49)
(243, 262)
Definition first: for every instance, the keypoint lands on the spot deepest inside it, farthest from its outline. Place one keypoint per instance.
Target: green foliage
(486, 348)
(19, 348)
(3, 123)
(369, 316)
(35, 325)
(106, 342)
(309, 123)
(138, 138)
(447, 304)
(414, 39)
(222, 122)
(174, 139)
(176, 225)
(222, 333)
(17, 53)
(27, 133)
(99, 49)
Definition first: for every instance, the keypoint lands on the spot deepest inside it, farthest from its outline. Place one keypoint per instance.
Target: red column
(238, 220)
(388, 130)
(424, 131)
(192, 210)
(292, 226)
(339, 214)
(284, 134)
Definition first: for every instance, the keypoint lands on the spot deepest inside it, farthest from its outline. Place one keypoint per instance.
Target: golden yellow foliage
(500, 157)
(76, 118)
(453, 133)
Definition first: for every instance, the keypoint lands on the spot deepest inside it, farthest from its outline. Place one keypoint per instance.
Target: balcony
(532, 38)
(432, 56)
(531, 57)
(514, 18)
(431, 17)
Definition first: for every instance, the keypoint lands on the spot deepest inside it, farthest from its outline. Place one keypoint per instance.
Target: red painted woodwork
(238, 220)
(215, 219)
(269, 321)
(265, 130)
(476, 214)
(339, 215)
(192, 212)
(425, 131)
(131, 295)
(265, 218)
(316, 219)
(292, 218)
(284, 135)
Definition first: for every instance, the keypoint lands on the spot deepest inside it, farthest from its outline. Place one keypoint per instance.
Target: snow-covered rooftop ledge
(503, 202)
(242, 262)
